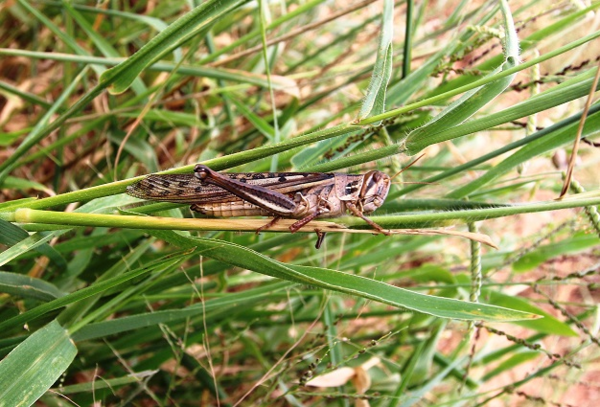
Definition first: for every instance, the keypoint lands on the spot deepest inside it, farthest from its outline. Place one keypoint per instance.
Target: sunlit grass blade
(33, 366)
(374, 101)
(195, 22)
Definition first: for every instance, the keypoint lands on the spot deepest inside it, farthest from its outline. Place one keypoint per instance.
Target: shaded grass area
(145, 305)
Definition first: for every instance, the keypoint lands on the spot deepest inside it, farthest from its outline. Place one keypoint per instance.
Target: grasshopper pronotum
(297, 195)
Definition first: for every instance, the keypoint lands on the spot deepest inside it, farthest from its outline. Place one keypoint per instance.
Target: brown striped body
(297, 195)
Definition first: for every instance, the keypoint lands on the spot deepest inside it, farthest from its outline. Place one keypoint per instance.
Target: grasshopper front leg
(357, 212)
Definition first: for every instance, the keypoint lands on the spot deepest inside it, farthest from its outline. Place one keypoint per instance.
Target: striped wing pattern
(186, 188)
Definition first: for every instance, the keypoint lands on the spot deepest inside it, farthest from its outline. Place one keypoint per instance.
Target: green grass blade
(210, 308)
(12, 234)
(374, 101)
(216, 163)
(189, 25)
(535, 148)
(28, 287)
(245, 258)
(548, 324)
(37, 133)
(560, 94)
(473, 100)
(80, 295)
(33, 366)
(23, 246)
(103, 45)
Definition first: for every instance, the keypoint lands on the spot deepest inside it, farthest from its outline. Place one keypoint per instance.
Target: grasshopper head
(374, 190)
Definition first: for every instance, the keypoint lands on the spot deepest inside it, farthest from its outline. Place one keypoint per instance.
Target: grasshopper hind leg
(302, 222)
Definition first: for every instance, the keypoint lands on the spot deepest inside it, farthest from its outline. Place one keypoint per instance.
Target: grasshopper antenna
(408, 166)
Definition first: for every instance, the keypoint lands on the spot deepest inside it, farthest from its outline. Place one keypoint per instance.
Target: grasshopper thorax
(374, 190)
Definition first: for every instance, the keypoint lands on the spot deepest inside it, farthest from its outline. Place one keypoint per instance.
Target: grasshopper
(297, 195)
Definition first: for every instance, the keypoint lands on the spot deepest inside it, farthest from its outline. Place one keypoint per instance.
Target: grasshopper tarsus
(268, 225)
